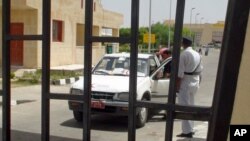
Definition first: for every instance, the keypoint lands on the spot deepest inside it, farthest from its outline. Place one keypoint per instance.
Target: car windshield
(120, 66)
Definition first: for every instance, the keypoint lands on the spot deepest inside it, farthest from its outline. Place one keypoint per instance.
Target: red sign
(97, 104)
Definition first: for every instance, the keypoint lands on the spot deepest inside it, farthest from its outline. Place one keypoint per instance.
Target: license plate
(97, 104)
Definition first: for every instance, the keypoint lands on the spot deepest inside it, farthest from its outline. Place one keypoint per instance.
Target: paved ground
(26, 115)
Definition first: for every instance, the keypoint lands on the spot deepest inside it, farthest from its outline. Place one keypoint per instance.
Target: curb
(65, 81)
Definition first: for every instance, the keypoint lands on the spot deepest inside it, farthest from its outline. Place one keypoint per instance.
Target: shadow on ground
(191, 139)
(108, 123)
(17, 102)
(105, 123)
(27, 136)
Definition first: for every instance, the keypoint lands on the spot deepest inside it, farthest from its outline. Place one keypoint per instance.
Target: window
(79, 35)
(57, 30)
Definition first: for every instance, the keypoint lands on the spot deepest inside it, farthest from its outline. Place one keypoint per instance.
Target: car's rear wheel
(78, 116)
(142, 116)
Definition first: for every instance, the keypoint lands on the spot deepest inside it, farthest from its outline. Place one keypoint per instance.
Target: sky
(206, 11)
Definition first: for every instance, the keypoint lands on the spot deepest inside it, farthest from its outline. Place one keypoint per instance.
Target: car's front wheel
(142, 116)
(78, 116)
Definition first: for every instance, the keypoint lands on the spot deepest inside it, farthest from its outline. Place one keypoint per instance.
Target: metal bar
(199, 109)
(174, 70)
(87, 70)
(6, 120)
(153, 104)
(133, 68)
(46, 10)
(62, 96)
(193, 116)
(228, 69)
(179, 108)
(111, 39)
(24, 37)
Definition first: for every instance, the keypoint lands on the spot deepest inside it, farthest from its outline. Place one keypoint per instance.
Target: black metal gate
(233, 41)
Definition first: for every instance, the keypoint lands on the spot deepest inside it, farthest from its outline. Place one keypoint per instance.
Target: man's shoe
(188, 135)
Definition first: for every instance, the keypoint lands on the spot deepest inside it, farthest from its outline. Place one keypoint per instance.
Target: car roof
(140, 55)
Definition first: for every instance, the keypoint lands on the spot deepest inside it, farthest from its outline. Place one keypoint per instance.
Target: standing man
(188, 82)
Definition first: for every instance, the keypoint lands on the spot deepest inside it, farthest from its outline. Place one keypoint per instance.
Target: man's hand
(178, 83)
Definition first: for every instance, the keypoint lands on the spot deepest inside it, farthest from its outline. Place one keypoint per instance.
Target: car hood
(106, 83)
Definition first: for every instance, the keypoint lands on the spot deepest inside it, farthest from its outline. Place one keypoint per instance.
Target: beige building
(67, 35)
(207, 33)
(204, 33)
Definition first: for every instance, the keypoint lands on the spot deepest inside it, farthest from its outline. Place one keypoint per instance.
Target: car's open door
(160, 84)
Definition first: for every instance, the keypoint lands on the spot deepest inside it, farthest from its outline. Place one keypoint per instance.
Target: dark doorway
(16, 46)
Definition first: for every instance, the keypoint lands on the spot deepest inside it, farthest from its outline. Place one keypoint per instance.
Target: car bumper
(108, 107)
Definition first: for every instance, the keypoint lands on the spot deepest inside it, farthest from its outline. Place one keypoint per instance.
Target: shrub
(12, 75)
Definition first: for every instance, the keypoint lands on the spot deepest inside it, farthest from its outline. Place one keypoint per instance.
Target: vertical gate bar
(133, 68)
(87, 70)
(180, 8)
(46, 7)
(6, 120)
(228, 69)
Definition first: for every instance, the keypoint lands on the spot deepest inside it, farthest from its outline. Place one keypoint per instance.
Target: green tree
(161, 32)
(125, 32)
(187, 32)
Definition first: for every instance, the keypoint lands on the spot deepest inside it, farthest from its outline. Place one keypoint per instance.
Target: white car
(110, 85)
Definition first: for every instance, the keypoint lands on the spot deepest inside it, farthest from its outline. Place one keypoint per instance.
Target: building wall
(29, 19)
(73, 52)
(30, 27)
(62, 53)
(97, 53)
(206, 31)
(206, 34)
(71, 13)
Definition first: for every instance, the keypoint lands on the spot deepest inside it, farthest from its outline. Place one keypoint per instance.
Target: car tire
(142, 116)
(78, 116)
